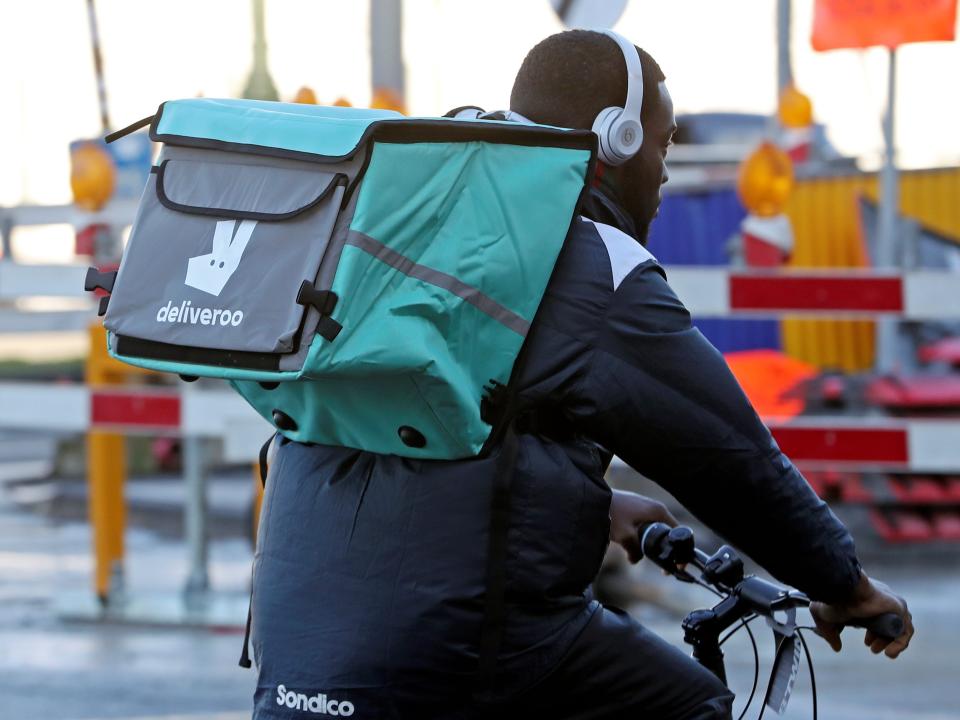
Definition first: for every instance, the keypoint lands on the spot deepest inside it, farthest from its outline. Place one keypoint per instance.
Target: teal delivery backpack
(361, 278)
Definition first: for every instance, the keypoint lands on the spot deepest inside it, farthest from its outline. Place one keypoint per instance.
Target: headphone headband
(619, 130)
(634, 102)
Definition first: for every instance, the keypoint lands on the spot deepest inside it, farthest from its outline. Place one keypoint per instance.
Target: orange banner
(863, 23)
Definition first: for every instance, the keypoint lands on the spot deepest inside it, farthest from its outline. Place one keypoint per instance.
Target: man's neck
(604, 205)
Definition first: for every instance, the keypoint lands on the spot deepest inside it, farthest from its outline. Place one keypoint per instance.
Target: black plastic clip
(97, 280)
(102, 307)
(324, 301)
(493, 402)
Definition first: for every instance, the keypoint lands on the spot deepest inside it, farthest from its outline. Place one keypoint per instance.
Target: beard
(643, 232)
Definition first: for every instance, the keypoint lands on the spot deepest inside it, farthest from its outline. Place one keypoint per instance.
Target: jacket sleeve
(656, 393)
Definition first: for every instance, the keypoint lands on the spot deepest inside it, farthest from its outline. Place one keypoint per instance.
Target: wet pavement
(57, 670)
(60, 670)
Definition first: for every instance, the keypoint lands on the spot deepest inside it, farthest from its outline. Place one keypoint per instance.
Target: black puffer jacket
(370, 570)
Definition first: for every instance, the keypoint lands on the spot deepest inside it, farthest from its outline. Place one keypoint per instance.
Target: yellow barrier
(827, 231)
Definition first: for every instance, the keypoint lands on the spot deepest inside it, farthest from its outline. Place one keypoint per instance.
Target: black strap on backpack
(494, 614)
(245, 653)
(123, 132)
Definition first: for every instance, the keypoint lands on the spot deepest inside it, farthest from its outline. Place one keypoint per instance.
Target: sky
(716, 55)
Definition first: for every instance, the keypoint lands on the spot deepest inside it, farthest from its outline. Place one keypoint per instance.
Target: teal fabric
(412, 350)
(331, 131)
(411, 353)
(433, 201)
(359, 412)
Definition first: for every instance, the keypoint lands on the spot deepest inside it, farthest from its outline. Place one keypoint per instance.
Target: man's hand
(870, 598)
(628, 511)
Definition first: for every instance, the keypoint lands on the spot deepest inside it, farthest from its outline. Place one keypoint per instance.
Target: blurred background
(811, 224)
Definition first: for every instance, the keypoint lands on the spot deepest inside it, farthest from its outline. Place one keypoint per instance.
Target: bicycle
(743, 600)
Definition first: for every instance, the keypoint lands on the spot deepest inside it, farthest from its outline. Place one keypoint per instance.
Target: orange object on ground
(844, 24)
(769, 378)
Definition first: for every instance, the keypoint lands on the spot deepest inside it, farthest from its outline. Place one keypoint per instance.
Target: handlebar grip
(888, 626)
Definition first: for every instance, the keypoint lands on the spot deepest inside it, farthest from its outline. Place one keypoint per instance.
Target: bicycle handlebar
(673, 548)
(888, 626)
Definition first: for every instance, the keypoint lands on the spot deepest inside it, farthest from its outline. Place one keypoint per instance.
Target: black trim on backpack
(132, 128)
(152, 350)
(356, 180)
(338, 179)
(404, 130)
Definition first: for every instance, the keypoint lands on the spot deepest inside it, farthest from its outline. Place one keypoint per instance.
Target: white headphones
(619, 129)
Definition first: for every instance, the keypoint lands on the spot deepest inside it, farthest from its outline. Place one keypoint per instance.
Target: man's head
(567, 79)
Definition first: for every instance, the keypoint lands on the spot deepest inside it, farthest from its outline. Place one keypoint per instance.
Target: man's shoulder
(597, 257)
(624, 253)
(605, 277)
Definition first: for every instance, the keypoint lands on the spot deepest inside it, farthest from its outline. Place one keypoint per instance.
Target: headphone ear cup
(628, 136)
(603, 126)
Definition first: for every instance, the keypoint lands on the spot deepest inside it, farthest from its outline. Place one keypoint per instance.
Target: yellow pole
(106, 473)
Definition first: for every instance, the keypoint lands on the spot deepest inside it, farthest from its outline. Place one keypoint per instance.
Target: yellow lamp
(794, 109)
(92, 176)
(765, 180)
(342, 102)
(306, 96)
(385, 98)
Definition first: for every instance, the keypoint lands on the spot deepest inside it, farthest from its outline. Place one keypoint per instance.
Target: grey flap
(250, 192)
(209, 279)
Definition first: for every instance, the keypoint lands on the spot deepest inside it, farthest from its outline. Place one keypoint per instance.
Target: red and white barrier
(928, 446)
(914, 445)
(706, 291)
(78, 408)
(914, 295)
(911, 445)
(19, 280)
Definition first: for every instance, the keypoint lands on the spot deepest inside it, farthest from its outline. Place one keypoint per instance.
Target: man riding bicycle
(371, 586)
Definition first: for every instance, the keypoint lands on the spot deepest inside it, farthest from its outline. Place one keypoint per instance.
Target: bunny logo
(210, 272)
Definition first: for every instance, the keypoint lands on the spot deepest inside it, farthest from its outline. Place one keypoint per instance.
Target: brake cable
(813, 680)
(744, 625)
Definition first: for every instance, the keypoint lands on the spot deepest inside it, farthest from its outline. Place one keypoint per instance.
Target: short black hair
(568, 78)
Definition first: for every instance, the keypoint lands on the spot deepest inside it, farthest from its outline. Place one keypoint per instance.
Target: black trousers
(615, 669)
(619, 669)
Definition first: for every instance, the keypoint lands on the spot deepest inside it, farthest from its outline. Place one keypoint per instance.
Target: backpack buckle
(324, 301)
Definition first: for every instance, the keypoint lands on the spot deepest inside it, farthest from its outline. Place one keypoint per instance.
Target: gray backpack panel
(211, 212)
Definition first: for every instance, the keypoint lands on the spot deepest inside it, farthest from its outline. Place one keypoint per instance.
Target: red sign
(863, 23)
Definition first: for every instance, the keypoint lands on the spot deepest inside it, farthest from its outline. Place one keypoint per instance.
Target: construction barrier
(706, 291)
(106, 408)
(137, 410)
(915, 295)
(921, 445)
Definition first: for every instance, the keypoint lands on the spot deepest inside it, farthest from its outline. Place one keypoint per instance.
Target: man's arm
(661, 397)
